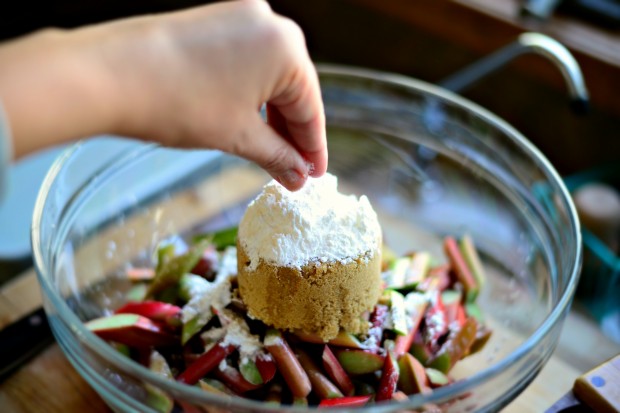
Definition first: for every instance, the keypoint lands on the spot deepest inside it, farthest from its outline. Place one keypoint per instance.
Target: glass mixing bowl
(431, 164)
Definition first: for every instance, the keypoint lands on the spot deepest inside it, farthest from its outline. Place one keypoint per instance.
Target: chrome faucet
(536, 43)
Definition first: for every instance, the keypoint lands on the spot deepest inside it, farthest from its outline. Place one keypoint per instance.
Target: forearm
(192, 79)
(54, 90)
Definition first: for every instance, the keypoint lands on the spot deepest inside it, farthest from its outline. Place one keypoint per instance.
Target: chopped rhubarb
(460, 268)
(455, 348)
(415, 304)
(436, 322)
(266, 367)
(470, 254)
(438, 278)
(234, 379)
(377, 323)
(412, 379)
(389, 378)
(436, 378)
(420, 349)
(482, 337)
(336, 372)
(250, 372)
(343, 339)
(131, 329)
(451, 300)
(154, 310)
(206, 266)
(398, 313)
(288, 365)
(359, 361)
(321, 385)
(171, 270)
(425, 321)
(205, 363)
(352, 401)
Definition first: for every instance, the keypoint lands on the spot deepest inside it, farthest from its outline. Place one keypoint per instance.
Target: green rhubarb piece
(398, 313)
(436, 377)
(449, 297)
(473, 310)
(470, 254)
(442, 363)
(412, 378)
(418, 269)
(137, 292)
(164, 254)
(193, 326)
(398, 271)
(359, 361)
(220, 239)
(158, 400)
(250, 372)
(170, 272)
(420, 352)
(112, 322)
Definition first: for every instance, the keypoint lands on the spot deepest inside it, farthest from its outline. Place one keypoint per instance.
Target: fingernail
(291, 179)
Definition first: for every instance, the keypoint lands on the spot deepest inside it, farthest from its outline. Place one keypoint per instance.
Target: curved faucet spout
(536, 43)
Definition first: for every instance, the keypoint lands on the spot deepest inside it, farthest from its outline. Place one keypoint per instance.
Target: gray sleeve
(6, 150)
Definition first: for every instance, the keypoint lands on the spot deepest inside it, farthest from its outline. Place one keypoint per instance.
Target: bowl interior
(430, 164)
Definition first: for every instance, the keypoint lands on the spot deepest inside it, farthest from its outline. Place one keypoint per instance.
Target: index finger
(301, 108)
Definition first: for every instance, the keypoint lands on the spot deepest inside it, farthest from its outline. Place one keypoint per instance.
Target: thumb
(274, 154)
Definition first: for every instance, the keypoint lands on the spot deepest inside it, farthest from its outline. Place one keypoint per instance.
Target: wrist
(128, 56)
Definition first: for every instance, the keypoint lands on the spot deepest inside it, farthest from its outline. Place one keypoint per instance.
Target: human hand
(194, 78)
(199, 77)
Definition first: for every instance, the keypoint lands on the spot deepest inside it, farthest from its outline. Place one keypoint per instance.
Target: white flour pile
(316, 223)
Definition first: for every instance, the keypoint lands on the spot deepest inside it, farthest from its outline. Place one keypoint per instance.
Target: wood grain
(49, 384)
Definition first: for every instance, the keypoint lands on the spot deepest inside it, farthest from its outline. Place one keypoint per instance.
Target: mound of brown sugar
(319, 298)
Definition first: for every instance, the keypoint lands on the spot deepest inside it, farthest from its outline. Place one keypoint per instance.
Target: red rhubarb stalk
(205, 363)
(154, 310)
(288, 365)
(336, 372)
(353, 401)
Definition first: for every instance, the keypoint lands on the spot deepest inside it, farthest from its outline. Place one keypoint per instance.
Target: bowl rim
(460, 386)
